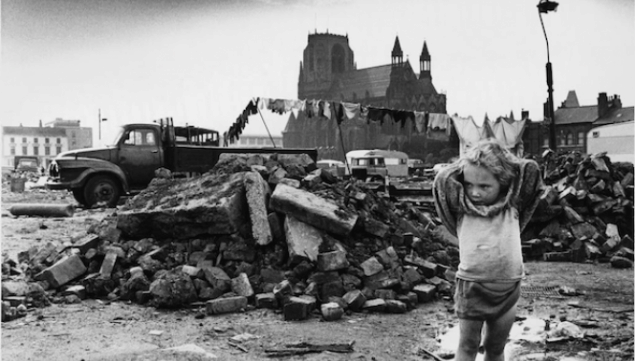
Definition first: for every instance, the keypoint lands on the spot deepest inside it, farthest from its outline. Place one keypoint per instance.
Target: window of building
(569, 140)
(545, 142)
(12, 140)
(581, 137)
(47, 150)
(12, 150)
(36, 150)
(59, 150)
(24, 152)
(59, 140)
(46, 140)
(35, 140)
(23, 140)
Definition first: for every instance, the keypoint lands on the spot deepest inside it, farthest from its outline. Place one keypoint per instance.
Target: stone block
(193, 272)
(395, 306)
(283, 291)
(217, 278)
(412, 277)
(303, 240)
(266, 300)
(355, 300)
(425, 292)
(297, 309)
(258, 193)
(375, 305)
(331, 311)
(210, 204)
(371, 266)
(332, 261)
(63, 271)
(312, 209)
(241, 286)
(332, 288)
(427, 268)
(108, 264)
(226, 305)
(86, 242)
(410, 300)
(386, 294)
(389, 258)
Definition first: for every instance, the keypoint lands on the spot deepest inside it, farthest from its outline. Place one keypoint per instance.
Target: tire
(78, 194)
(102, 190)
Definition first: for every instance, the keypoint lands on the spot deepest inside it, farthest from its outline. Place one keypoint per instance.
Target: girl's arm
(531, 186)
(446, 197)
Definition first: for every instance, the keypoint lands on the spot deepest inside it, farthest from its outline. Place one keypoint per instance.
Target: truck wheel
(78, 194)
(102, 190)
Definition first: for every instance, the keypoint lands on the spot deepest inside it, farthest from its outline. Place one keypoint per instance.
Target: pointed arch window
(338, 56)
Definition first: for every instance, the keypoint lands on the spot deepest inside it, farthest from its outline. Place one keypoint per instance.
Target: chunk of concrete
(63, 271)
(226, 305)
(303, 240)
(371, 266)
(312, 209)
(241, 286)
(258, 193)
(332, 261)
(331, 311)
(185, 209)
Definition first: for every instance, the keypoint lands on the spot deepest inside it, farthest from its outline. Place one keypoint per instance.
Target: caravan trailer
(615, 139)
(377, 164)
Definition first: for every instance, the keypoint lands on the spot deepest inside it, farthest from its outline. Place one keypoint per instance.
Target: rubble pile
(585, 213)
(264, 231)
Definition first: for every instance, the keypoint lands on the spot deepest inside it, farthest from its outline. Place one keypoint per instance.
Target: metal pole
(552, 119)
(552, 116)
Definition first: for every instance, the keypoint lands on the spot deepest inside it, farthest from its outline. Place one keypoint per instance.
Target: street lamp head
(545, 6)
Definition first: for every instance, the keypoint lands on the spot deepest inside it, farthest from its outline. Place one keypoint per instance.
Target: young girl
(486, 199)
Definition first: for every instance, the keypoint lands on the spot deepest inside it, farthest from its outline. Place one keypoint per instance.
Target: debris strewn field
(263, 254)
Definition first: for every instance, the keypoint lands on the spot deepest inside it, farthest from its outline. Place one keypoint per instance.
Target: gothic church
(329, 72)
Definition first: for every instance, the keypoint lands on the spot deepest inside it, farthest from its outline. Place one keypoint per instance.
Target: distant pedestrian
(486, 199)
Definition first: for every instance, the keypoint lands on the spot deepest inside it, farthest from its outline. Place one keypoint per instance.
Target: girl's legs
(496, 333)
(469, 339)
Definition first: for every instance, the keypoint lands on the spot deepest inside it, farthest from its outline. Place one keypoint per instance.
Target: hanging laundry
(351, 110)
(469, 132)
(420, 122)
(375, 115)
(277, 106)
(338, 112)
(510, 133)
(293, 104)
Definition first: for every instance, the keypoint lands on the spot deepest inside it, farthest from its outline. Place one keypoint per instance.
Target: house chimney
(524, 114)
(617, 102)
(603, 105)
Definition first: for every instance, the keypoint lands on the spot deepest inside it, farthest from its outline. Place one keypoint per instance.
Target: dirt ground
(599, 304)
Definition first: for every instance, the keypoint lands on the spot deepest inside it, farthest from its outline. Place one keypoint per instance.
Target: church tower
(424, 63)
(397, 54)
(325, 57)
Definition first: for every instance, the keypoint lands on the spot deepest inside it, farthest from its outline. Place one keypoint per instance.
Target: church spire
(424, 63)
(397, 54)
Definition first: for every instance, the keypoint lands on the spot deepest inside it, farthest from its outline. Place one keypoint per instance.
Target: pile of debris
(585, 213)
(256, 231)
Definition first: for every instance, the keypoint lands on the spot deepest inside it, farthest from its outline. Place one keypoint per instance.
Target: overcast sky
(201, 62)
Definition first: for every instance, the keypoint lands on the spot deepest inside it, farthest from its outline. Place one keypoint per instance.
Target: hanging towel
(351, 110)
(469, 132)
(509, 132)
(420, 122)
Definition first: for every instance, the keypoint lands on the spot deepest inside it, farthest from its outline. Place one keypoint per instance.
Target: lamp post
(99, 120)
(545, 6)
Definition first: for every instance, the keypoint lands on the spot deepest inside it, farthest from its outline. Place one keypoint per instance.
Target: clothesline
(341, 111)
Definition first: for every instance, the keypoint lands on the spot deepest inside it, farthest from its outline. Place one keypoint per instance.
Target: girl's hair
(493, 156)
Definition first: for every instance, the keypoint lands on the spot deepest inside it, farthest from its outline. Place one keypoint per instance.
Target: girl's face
(481, 186)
